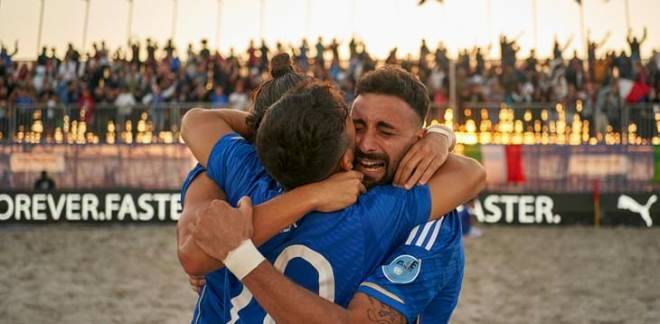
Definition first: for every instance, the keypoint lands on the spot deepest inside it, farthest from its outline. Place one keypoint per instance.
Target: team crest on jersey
(402, 270)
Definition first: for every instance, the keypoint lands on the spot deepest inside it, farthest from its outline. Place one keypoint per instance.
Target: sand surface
(65, 273)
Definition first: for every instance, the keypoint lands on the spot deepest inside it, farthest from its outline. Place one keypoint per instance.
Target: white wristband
(243, 259)
(440, 130)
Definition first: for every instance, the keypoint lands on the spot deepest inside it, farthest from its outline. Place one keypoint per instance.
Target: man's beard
(374, 166)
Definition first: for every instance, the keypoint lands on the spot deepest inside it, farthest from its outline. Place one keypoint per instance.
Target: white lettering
(90, 203)
(508, 201)
(161, 198)
(56, 210)
(22, 206)
(525, 210)
(495, 212)
(39, 207)
(127, 208)
(175, 207)
(145, 206)
(111, 204)
(7, 214)
(73, 206)
(544, 206)
(478, 211)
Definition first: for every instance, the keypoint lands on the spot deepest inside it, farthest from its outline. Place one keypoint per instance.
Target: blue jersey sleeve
(233, 164)
(389, 213)
(426, 269)
(192, 174)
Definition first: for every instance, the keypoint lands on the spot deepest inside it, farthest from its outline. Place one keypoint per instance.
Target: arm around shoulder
(457, 181)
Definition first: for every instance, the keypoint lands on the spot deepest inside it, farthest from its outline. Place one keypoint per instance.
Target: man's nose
(367, 143)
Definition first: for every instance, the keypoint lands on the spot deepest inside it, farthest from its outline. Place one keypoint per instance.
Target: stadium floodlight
(129, 27)
(218, 20)
(41, 24)
(175, 9)
(86, 24)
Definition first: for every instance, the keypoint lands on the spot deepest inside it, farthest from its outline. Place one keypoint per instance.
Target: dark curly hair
(302, 136)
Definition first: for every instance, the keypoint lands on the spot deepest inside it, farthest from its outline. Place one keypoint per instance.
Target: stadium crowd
(154, 75)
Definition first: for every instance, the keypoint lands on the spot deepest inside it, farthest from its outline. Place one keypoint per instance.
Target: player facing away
(423, 241)
(372, 165)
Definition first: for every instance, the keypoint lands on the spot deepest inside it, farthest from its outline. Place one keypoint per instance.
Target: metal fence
(483, 123)
(552, 123)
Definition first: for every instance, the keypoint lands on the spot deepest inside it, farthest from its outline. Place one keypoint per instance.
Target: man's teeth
(371, 164)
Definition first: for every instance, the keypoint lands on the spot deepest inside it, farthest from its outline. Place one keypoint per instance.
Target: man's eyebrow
(382, 124)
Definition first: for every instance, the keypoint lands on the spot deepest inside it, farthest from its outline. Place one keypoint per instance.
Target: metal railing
(484, 123)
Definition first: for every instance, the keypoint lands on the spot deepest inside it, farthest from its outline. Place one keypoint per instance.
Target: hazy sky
(382, 24)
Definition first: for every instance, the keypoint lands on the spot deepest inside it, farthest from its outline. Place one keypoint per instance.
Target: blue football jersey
(242, 183)
(422, 278)
(327, 253)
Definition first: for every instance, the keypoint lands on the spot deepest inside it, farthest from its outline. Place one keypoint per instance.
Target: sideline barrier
(100, 207)
(626, 208)
(90, 207)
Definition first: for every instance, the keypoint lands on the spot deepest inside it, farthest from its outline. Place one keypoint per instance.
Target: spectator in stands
(86, 104)
(635, 45)
(125, 102)
(6, 57)
(44, 183)
(239, 99)
(219, 98)
(320, 50)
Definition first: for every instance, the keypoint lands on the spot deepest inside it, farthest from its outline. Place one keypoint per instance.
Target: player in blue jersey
(373, 167)
(437, 246)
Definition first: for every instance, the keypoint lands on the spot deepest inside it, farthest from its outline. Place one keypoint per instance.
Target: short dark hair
(301, 137)
(394, 81)
(284, 78)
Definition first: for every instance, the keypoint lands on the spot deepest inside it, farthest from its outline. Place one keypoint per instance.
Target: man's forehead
(374, 107)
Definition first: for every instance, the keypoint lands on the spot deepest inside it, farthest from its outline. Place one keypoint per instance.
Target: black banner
(90, 207)
(636, 209)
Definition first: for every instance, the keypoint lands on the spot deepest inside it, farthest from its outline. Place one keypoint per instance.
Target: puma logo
(627, 203)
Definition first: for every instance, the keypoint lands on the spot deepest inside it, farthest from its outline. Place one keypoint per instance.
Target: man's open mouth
(371, 165)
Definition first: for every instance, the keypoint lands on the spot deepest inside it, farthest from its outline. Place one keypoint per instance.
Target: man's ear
(420, 133)
(346, 161)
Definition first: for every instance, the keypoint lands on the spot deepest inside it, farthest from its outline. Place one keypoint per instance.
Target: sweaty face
(385, 128)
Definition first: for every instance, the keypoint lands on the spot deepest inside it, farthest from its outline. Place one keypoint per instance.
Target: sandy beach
(63, 273)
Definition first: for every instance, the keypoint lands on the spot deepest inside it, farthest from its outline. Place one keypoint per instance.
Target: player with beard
(421, 278)
(376, 164)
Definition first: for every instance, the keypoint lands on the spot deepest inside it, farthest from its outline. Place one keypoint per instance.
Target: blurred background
(559, 100)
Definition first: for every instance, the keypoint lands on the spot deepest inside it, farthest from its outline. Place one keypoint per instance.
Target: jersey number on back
(315, 259)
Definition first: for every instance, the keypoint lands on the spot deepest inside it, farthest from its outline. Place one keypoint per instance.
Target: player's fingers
(363, 189)
(430, 171)
(419, 171)
(410, 168)
(398, 179)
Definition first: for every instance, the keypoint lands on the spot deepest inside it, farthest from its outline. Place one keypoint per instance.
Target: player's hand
(219, 228)
(338, 191)
(422, 160)
(196, 283)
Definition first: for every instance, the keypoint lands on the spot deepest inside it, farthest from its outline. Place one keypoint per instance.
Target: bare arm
(644, 36)
(202, 128)
(287, 302)
(568, 42)
(201, 192)
(605, 38)
(457, 181)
